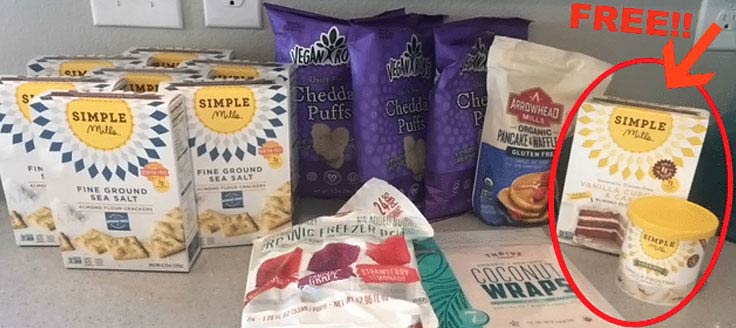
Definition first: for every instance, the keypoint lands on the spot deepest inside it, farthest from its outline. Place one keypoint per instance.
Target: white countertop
(36, 291)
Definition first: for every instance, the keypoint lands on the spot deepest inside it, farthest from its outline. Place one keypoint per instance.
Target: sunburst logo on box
(17, 123)
(229, 123)
(638, 143)
(108, 138)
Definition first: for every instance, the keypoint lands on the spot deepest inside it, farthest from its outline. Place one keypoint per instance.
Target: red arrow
(678, 75)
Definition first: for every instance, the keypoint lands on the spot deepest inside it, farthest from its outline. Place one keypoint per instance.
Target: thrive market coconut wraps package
(240, 135)
(508, 279)
(119, 171)
(23, 175)
(531, 89)
(393, 73)
(323, 93)
(355, 269)
(458, 106)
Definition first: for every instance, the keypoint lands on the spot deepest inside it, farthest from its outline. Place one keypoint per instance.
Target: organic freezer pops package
(393, 73)
(458, 106)
(354, 269)
(531, 89)
(317, 46)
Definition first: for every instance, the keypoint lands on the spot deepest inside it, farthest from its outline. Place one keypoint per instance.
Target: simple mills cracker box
(119, 172)
(147, 79)
(623, 150)
(173, 57)
(80, 65)
(241, 135)
(241, 69)
(23, 177)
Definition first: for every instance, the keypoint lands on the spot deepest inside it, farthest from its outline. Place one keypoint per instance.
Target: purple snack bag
(393, 73)
(458, 107)
(323, 94)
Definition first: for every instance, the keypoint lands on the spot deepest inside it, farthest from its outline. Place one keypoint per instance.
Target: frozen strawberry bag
(354, 269)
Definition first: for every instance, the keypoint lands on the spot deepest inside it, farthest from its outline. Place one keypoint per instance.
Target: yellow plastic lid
(672, 218)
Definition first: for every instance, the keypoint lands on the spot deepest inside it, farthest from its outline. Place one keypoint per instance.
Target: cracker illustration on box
(17, 221)
(126, 248)
(174, 57)
(241, 69)
(93, 241)
(23, 176)
(65, 244)
(42, 219)
(119, 176)
(168, 237)
(278, 208)
(330, 144)
(240, 134)
(238, 224)
(77, 66)
(623, 150)
(209, 221)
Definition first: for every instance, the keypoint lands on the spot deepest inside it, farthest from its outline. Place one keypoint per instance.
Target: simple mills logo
(232, 199)
(476, 61)
(330, 50)
(117, 221)
(411, 63)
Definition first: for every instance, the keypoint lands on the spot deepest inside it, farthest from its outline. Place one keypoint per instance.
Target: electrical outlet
(137, 13)
(232, 13)
(727, 20)
(723, 13)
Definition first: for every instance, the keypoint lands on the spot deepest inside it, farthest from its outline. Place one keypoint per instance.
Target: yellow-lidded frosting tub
(665, 245)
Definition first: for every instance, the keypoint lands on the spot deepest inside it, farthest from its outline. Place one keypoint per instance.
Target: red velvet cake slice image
(600, 227)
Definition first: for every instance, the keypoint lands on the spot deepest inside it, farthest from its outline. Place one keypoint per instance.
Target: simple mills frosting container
(663, 250)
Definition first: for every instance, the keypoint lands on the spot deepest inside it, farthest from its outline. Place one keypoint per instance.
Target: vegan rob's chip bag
(531, 89)
(317, 46)
(393, 73)
(458, 106)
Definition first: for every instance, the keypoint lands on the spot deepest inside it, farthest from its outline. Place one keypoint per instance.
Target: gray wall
(38, 27)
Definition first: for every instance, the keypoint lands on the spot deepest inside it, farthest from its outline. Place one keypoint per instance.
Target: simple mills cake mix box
(242, 135)
(623, 150)
(23, 177)
(119, 173)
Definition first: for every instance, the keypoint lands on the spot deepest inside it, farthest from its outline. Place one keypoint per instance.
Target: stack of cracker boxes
(149, 157)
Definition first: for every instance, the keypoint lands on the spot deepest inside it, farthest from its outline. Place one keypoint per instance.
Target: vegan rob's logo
(330, 50)
(476, 61)
(534, 106)
(411, 63)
